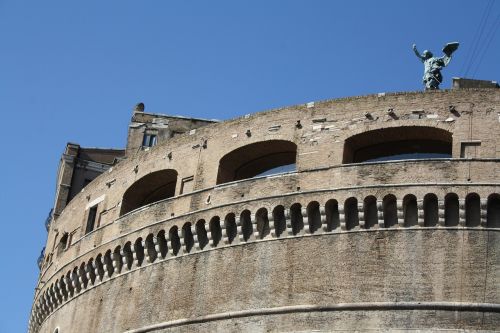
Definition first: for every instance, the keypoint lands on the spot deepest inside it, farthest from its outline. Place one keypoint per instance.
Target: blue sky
(72, 71)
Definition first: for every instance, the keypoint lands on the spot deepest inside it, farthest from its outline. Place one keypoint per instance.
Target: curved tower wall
(339, 243)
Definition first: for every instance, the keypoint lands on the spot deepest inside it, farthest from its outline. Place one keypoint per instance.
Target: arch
(396, 143)
(313, 216)
(279, 220)
(231, 228)
(257, 159)
(246, 225)
(83, 275)
(90, 271)
(187, 235)
(296, 218)
(162, 244)
(108, 262)
(139, 251)
(472, 210)
(175, 242)
(351, 213)
(153, 187)
(451, 210)
(431, 210)
(262, 222)
(201, 234)
(127, 253)
(99, 267)
(150, 248)
(215, 230)
(332, 215)
(390, 208)
(370, 211)
(493, 211)
(410, 210)
(117, 259)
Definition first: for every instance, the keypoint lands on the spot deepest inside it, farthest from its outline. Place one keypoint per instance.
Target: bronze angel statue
(433, 65)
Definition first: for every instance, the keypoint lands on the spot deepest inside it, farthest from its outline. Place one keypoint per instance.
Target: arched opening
(156, 186)
(231, 228)
(257, 159)
(332, 215)
(175, 242)
(246, 225)
(390, 209)
(215, 230)
(262, 222)
(398, 143)
(90, 270)
(410, 211)
(493, 211)
(313, 217)
(201, 233)
(150, 248)
(187, 235)
(99, 267)
(431, 210)
(451, 210)
(296, 218)
(117, 259)
(139, 251)
(279, 220)
(162, 243)
(472, 210)
(370, 211)
(127, 254)
(351, 213)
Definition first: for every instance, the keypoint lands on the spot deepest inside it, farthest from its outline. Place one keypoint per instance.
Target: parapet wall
(409, 244)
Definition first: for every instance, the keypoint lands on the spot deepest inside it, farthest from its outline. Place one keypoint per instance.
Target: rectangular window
(91, 219)
(149, 140)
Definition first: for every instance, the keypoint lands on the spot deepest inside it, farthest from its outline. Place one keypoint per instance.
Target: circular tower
(377, 212)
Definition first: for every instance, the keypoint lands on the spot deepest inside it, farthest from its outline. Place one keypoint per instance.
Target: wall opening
(431, 210)
(332, 215)
(279, 220)
(187, 236)
(246, 225)
(257, 159)
(493, 211)
(231, 228)
(156, 186)
(398, 143)
(162, 243)
(390, 209)
(175, 242)
(351, 213)
(313, 216)
(451, 210)
(410, 211)
(370, 212)
(201, 233)
(262, 222)
(215, 230)
(296, 218)
(472, 210)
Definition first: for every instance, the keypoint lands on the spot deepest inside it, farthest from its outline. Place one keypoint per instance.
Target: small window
(91, 219)
(149, 140)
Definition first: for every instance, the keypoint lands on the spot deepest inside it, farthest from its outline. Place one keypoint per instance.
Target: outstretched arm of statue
(416, 52)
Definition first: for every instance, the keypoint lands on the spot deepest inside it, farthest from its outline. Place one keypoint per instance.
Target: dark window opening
(257, 159)
(370, 212)
(149, 140)
(156, 186)
(451, 210)
(398, 143)
(493, 211)
(91, 219)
